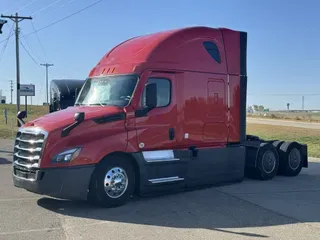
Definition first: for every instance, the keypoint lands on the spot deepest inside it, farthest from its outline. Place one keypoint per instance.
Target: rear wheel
(112, 183)
(267, 161)
(291, 159)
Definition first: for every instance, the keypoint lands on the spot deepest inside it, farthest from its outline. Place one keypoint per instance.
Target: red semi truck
(158, 113)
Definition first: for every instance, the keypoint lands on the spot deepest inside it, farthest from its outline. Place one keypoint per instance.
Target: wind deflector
(243, 53)
(243, 85)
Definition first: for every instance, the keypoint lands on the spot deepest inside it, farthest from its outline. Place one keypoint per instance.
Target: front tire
(112, 183)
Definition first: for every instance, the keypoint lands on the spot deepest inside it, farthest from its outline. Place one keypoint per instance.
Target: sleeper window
(163, 92)
(213, 50)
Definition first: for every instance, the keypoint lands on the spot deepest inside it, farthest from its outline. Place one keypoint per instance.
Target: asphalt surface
(284, 123)
(283, 208)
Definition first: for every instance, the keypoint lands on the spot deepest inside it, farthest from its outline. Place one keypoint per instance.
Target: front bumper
(66, 183)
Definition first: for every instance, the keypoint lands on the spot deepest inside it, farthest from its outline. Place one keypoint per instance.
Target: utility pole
(11, 90)
(302, 102)
(16, 19)
(47, 65)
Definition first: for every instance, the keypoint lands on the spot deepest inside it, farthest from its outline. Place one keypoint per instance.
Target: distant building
(2, 98)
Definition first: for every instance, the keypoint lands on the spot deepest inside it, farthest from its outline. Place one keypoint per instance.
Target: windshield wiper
(97, 104)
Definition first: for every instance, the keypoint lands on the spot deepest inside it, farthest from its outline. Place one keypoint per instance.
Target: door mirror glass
(79, 117)
(151, 95)
(21, 115)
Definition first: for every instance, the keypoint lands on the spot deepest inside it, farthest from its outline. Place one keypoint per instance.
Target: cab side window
(163, 92)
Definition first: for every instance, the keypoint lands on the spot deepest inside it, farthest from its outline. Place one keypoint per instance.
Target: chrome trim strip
(27, 179)
(162, 160)
(165, 180)
(28, 158)
(34, 165)
(32, 150)
(36, 175)
(33, 130)
(30, 141)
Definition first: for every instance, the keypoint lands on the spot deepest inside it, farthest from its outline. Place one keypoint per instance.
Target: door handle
(171, 133)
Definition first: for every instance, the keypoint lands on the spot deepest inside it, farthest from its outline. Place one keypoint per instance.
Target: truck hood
(65, 117)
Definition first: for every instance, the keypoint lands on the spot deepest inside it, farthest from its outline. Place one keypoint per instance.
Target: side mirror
(79, 117)
(21, 115)
(151, 96)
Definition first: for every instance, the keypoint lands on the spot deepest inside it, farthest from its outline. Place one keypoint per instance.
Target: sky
(283, 40)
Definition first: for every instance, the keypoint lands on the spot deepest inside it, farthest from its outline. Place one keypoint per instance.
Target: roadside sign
(27, 90)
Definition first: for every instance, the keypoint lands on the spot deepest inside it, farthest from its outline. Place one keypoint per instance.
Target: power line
(66, 17)
(67, 3)
(7, 38)
(25, 6)
(46, 7)
(7, 10)
(44, 52)
(28, 53)
(5, 45)
(31, 48)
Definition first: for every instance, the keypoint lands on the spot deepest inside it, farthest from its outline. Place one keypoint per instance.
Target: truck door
(156, 129)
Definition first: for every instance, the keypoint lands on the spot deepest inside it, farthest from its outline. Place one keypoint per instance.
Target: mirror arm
(79, 118)
(65, 132)
(21, 122)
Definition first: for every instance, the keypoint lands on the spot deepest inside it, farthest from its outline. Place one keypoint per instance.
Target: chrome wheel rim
(115, 182)
(268, 161)
(294, 159)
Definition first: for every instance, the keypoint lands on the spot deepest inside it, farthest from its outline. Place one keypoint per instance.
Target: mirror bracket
(79, 118)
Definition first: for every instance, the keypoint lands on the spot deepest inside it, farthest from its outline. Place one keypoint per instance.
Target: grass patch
(8, 131)
(311, 137)
(292, 116)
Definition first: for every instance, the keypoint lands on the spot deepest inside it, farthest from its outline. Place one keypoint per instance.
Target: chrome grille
(28, 147)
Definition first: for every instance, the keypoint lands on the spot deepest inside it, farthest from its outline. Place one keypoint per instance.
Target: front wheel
(112, 183)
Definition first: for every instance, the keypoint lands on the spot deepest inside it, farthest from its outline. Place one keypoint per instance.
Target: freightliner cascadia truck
(158, 113)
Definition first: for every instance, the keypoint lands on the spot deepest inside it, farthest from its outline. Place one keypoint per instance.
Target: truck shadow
(252, 203)
(182, 210)
(3, 151)
(5, 157)
(4, 161)
(215, 208)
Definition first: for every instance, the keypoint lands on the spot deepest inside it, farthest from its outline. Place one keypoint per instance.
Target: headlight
(67, 155)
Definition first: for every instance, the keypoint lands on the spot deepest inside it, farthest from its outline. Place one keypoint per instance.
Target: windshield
(107, 90)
